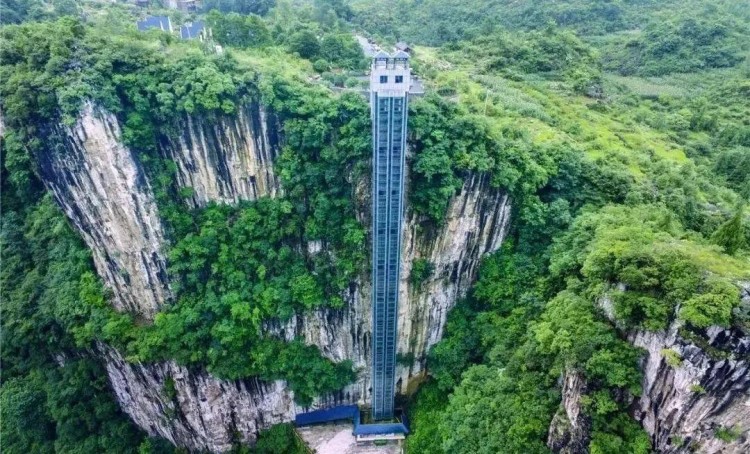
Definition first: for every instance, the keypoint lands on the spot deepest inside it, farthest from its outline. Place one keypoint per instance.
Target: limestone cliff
(475, 224)
(225, 159)
(191, 408)
(682, 406)
(103, 190)
(570, 429)
(207, 411)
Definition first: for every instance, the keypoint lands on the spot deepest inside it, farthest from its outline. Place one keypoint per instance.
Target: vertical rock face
(226, 159)
(475, 224)
(205, 411)
(103, 190)
(193, 409)
(684, 406)
(701, 404)
(570, 429)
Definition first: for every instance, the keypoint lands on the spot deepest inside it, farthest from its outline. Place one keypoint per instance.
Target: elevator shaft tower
(390, 79)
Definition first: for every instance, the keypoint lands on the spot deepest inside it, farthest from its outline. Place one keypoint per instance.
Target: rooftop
(160, 22)
(191, 30)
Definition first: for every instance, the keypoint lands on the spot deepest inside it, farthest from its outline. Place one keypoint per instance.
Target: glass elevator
(390, 79)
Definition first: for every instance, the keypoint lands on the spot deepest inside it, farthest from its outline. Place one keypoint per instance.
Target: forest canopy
(618, 129)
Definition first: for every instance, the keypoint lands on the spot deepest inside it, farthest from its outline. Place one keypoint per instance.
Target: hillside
(186, 227)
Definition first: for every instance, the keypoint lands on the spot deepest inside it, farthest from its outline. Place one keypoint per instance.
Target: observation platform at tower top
(384, 61)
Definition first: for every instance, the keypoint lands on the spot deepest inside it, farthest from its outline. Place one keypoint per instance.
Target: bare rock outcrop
(192, 408)
(695, 399)
(103, 190)
(570, 429)
(685, 407)
(226, 158)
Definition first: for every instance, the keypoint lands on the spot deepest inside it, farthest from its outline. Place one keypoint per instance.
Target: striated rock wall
(103, 190)
(682, 406)
(207, 411)
(201, 413)
(226, 159)
(476, 224)
(570, 429)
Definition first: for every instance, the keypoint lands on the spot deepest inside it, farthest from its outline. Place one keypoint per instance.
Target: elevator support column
(390, 78)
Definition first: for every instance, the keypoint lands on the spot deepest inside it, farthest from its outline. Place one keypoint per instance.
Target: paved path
(338, 439)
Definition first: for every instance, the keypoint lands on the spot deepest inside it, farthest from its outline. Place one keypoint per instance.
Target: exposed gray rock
(104, 192)
(476, 223)
(209, 410)
(570, 429)
(226, 158)
(203, 413)
(683, 407)
(102, 189)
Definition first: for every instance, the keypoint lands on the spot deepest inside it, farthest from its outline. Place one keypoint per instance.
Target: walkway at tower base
(363, 432)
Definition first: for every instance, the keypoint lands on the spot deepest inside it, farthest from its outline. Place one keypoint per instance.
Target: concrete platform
(337, 438)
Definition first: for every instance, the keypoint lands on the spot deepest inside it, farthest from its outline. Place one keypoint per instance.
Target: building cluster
(188, 30)
(188, 6)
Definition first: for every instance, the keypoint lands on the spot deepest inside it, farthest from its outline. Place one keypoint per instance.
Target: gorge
(186, 227)
(102, 187)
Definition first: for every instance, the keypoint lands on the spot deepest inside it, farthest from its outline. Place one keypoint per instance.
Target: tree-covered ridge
(677, 47)
(436, 22)
(631, 226)
(151, 82)
(627, 191)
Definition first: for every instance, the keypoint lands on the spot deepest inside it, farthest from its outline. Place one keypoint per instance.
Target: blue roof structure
(191, 30)
(161, 22)
(351, 412)
(381, 429)
(328, 414)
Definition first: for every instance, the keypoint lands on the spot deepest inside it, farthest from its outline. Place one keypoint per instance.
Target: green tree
(238, 30)
(305, 43)
(731, 234)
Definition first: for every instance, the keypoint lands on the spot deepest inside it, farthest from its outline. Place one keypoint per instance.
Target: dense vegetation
(54, 397)
(323, 142)
(629, 201)
(629, 224)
